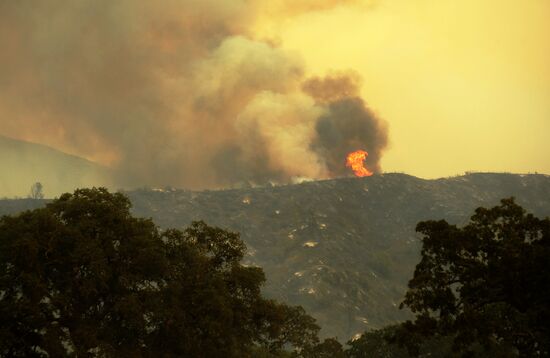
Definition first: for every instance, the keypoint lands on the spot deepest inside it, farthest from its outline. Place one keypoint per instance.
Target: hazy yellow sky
(464, 85)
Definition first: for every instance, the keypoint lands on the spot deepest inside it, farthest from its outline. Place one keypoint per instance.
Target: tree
(382, 343)
(82, 277)
(329, 348)
(36, 191)
(376, 343)
(486, 285)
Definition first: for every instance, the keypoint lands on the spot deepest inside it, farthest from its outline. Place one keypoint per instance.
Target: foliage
(376, 343)
(383, 343)
(82, 277)
(329, 348)
(486, 284)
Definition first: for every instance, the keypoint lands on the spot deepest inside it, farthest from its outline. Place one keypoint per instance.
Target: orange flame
(355, 160)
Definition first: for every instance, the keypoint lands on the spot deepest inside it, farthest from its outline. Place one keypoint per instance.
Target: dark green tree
(82, 277)
(383, 343)
(376, 343)
(486, 285)
(329, 348)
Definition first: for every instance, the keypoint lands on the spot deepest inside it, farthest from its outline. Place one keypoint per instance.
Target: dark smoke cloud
(176, 92)
(349, 125)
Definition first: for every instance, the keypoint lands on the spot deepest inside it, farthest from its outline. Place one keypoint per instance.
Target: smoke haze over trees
(177, 93)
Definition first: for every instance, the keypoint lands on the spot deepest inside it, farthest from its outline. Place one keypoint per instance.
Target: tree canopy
(83, 277)
(486, 285)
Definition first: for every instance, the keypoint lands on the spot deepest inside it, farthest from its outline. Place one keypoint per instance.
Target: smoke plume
(177, 92)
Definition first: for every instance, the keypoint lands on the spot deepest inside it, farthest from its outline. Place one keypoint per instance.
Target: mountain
(25, 163)
(344, 248)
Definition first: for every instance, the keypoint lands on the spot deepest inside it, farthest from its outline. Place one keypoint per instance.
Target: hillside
(344, 248)
(57, 171)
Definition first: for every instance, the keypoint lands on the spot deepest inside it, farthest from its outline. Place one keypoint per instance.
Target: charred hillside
(344, 249)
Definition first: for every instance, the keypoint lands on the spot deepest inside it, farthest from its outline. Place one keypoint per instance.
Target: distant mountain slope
(25, 163)
(345, 248)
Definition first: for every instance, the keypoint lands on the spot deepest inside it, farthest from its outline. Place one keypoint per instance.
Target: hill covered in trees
(344, 249)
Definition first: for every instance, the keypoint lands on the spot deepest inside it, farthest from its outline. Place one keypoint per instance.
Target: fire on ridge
(355, 161)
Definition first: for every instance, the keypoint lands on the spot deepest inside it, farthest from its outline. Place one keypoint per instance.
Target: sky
(210, 94)
(464, 85)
